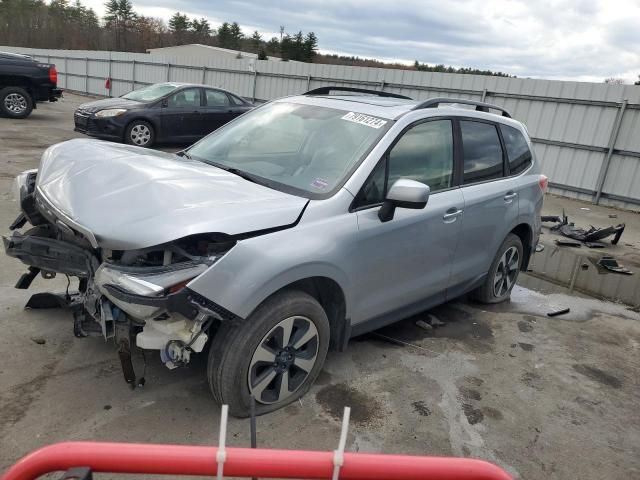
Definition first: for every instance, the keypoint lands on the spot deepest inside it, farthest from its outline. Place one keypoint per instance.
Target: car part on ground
(23, 83)
(301, 224)
(590, 236)
(612, 265)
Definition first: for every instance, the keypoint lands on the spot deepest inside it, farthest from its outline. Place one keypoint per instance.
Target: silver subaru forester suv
(301, 224)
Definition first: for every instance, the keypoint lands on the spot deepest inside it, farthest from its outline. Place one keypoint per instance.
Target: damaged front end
(135, 297)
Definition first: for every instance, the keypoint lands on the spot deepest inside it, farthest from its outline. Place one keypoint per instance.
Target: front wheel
(274, 355)
(140, 133)
(503, 273)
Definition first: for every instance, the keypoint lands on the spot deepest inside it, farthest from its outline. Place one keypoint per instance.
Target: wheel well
(524, 232)
(331, 297)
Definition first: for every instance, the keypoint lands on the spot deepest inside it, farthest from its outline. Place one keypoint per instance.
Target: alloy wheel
(283, 360)
(15, 103)
(506, 272)
(140, 135)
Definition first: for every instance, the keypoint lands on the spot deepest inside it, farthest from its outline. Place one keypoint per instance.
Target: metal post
(308, 83)
(484, 95)
(382, 85)
(255, 81)
(204, 75)
(602, 176)
(168, 71)
(66, 76)
(86, 75)
(133, 75)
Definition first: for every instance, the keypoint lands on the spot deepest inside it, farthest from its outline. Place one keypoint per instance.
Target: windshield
(150, 93)
(306, 148)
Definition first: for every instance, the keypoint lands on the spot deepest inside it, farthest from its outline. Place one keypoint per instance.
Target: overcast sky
(585, 40)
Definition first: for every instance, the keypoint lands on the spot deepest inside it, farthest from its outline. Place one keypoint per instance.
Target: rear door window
(483, 158)
(189, 98)
(216, 98)
(517, 149)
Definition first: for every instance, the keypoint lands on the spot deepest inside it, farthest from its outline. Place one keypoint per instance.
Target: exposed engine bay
(137, 298)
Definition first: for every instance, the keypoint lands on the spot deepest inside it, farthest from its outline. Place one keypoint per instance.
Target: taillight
(543, 181)
(53, 75)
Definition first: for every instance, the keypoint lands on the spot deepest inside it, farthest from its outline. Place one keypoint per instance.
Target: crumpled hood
(131, 197)
(106, 103)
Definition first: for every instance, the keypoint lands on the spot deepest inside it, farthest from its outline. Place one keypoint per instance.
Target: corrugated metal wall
(586, 135)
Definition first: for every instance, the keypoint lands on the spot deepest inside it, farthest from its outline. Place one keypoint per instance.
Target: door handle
(451, 215)
(510, 196)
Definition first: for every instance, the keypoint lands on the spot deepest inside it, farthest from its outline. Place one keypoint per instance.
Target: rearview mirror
(405, 193)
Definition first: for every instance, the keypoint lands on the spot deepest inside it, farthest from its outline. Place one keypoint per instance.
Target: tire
(242, 358)
(497, 287)
(140, 133)
(15, 102)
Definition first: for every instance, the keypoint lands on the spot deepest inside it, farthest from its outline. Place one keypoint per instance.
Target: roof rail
(480, 106)
(327, 90)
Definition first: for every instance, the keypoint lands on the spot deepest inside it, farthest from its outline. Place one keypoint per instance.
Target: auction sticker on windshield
(362, 119)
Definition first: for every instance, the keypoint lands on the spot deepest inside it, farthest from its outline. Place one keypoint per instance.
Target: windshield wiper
(241, 174)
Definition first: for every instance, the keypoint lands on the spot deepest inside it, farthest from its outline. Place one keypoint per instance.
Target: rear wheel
(140, 133)
(503, 273)
(274, 355)
(15, 102)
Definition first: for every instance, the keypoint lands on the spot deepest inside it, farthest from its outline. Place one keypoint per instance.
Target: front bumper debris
(50, 255)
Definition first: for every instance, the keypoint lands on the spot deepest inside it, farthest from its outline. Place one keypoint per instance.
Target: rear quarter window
(482, 152)
(517, 149)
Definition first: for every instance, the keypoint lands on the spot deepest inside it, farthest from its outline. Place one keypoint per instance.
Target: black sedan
(163, 112)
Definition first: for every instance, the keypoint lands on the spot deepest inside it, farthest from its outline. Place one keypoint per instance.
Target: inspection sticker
(362, 119)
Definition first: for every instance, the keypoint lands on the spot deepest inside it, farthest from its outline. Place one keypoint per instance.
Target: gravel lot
(542, 397)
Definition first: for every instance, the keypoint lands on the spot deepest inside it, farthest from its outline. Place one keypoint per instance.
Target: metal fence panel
(585, 134)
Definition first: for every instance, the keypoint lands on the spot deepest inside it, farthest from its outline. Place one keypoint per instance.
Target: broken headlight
(145, 281)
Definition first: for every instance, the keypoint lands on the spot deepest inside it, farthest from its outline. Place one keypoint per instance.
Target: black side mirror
(165, 102)
(405, 193)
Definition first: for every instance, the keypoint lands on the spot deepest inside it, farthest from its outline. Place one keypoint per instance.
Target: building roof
(212, 49)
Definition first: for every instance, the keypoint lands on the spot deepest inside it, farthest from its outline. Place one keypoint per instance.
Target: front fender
(256, 268)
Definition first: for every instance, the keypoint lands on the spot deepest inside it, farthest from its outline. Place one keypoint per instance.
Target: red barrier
(245, 462)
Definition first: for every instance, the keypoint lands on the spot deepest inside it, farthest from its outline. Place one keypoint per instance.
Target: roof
(17, 56)
(392, 108)
(383, 107)
(212, 49)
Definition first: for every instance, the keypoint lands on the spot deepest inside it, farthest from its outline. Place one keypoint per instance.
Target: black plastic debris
(558, 312)
(591, 235)
(612, 265)
(568, 243)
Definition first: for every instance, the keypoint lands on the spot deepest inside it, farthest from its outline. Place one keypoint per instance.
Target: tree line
(66, 24)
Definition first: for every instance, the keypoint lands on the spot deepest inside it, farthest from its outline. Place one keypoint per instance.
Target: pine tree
(310, 47)
(235, 34)
(256, 41)
(224, 35)
(201, 27)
